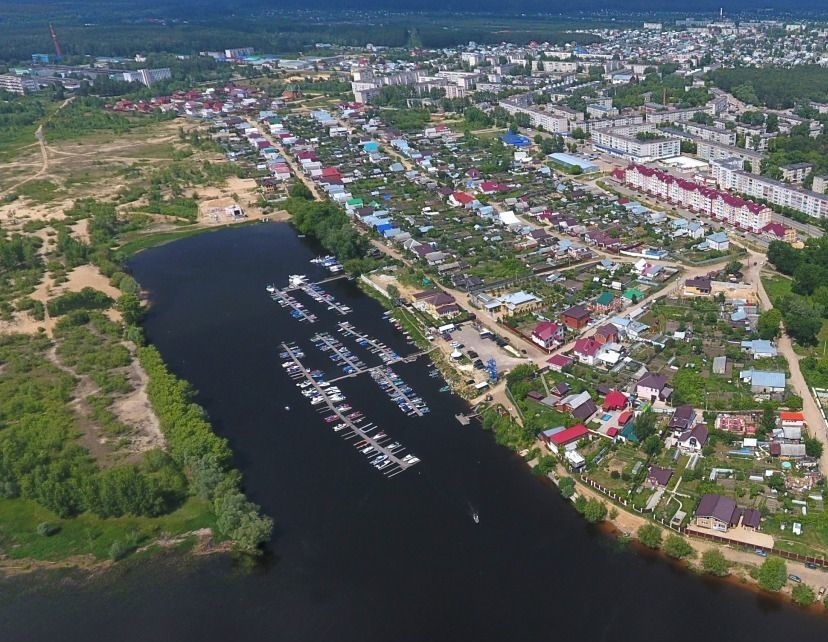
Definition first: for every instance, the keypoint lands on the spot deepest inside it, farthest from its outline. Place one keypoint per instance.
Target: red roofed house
(615, 400)
(778, 232)
(460, 199)
(558, 362)
(547, 334)
(492, 187)
(576, 317)
(585, 350)
(792, 419)
(567, 439)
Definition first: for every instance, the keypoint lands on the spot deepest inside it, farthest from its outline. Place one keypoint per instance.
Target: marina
(400, 392)
(372, 345)
(299, 282)
(339, 354)
(382, 452)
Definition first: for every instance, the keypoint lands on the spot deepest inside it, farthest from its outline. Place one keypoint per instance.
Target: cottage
(567, 439)
(653, 387)
(606, 302)
(615, 400)
(759, 348)
(692, 441)
(585, 350)
(576, 317)
(607, 333)
(684, 418)
(764, 382)
(720, 513)
(659, 477)
(558, 362)
(547, 334)
(698, 286)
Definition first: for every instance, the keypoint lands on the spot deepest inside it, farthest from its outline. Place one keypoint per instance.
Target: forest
(804, 309)
(774, 87)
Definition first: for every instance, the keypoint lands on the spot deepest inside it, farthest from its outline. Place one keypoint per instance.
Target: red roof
(559, 360)
(462, 198)
(615, 400)
(792, 416)
(574, 433)
(611, 432)
(330, 171)
(624, 417)
(587, 347)
(777, 229)
(546, 330)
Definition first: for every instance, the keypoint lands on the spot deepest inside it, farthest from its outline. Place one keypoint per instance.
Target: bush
(650, 536)
(117, 551)
(677, 547)
(45, 529)
(615, 474)
(714, 563)
(803, 595)
(86, 299)
(772, 574)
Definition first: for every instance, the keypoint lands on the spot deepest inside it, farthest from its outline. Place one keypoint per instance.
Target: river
(357, 556)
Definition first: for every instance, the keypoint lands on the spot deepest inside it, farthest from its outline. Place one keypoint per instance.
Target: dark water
(356, 556)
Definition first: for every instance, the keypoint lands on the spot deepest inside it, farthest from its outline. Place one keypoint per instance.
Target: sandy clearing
(134, 410)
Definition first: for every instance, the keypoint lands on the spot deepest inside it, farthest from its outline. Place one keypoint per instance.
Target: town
(612, 250)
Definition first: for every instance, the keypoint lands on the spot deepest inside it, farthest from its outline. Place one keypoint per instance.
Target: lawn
(87, 533)
(777, 287)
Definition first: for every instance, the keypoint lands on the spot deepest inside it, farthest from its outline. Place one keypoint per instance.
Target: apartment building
(710, 151)
(714, 134)
(634, 149)
(729, 175)
(18, 84)
(717, 204)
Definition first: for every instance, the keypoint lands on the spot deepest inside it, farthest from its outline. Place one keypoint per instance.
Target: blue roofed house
(763, 381)
(718, 241)
(760, 348)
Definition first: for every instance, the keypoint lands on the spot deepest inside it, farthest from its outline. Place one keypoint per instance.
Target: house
(760, 348)
(653, 387)
(519, 302)
(558, 362)
(717, 241)
(764, 382)
(606, 302)
(606, 333)
(585, 350)
(693, 440)
(569, 403)
(787, 451)
(460, 199)
(633, 295)
(684, 418)
(547, 334)
(698, 286)
(567, 439)
(792, 419)
(576, 317)
(659, 477)
(615, 400)
(720, 513)
(585, 410)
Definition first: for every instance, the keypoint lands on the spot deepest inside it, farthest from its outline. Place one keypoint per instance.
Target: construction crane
(58, 52)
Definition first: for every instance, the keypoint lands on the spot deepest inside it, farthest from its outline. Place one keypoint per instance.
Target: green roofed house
(633, 295)
(354, 202)
(605, 302)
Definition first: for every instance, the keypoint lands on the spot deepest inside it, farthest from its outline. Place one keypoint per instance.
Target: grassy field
(777, 286)
(88, 534)
(135, 242)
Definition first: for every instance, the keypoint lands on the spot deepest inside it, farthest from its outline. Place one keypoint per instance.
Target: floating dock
(382, 451)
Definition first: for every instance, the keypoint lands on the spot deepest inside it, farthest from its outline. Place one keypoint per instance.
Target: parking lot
(485, 348)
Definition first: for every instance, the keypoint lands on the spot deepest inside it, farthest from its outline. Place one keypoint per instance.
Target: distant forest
(775, 87)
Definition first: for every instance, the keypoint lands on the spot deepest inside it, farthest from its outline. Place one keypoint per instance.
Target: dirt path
(41, 139)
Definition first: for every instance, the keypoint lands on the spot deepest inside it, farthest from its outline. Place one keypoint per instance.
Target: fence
(683, 530)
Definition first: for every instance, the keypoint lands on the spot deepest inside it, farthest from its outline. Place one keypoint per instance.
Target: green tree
(813, 447)
(567, 487)
(649, 535)
(773, 574)
(129, 305)
(714, 563)
(300, 190)
(803, 595)
(595, 511)
(677, 547)
(768, 324)
(652, 445)
(645, 425)
(768, 422)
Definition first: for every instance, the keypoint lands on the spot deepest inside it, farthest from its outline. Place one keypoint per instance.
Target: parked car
(761, 552)
(472, 354)
(795, 578)
(811, 565)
